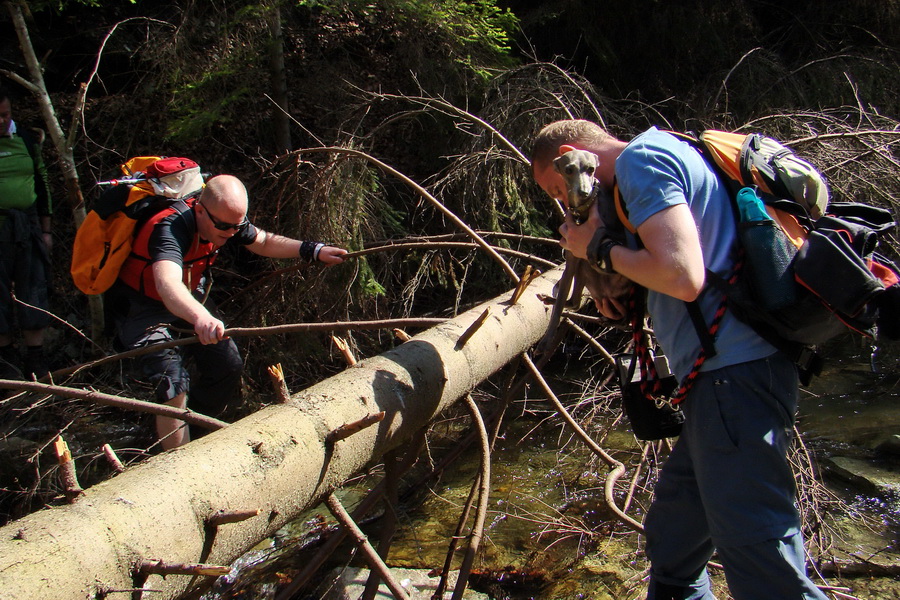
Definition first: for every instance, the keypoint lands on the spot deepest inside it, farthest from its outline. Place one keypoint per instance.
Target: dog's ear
(566, 148)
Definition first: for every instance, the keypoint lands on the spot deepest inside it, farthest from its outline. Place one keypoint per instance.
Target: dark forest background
(448, 93)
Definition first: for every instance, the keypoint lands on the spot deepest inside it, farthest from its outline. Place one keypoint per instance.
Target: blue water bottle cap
(751, 206)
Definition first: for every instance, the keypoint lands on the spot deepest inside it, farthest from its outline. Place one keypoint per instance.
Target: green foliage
(478, 31)
(198, 105)
(368, 282)
(214, 72)
(479, 27)
(357, 211)
(211, 91)
(358, 196)
(744, 58)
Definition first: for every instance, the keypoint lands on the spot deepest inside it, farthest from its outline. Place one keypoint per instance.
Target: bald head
(225, 192)
(222, 209)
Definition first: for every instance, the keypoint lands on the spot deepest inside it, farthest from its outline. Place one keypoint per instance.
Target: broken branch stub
(68, 478)
(348, 429)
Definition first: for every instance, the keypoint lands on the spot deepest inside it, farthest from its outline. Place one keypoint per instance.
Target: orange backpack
(104, 239)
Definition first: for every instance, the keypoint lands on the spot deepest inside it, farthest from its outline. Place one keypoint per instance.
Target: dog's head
(577, 169)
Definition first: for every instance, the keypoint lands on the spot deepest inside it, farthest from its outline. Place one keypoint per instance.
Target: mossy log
(276, 460)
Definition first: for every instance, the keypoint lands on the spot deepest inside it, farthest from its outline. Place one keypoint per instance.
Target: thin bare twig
(348, 429)
(392, 474)
(80, 333)
(593, 342)
(371, 556)
(455, 538)
(820, 137)
(449, 108)
(224, 517)
(724, 85)
(425, 194)
(484, 491)
(79, 106)
(617, 468)
(400, 246)
(366, 505)
(161, 567)
(182, 414)
(421, 322)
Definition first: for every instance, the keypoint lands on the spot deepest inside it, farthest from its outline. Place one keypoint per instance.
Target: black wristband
(310, 250)
(598, 251)
(605, 261)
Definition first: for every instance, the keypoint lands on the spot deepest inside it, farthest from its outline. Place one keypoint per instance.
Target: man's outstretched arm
(278, 246)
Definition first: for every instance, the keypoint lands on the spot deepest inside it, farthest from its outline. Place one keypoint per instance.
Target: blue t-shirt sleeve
(650, 179)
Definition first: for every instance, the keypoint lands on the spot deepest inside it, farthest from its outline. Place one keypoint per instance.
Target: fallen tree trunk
(276, 460)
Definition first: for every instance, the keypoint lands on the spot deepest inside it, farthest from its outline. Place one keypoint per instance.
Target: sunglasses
(221, 225)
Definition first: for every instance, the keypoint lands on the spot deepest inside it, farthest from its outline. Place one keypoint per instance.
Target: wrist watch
(598, 251)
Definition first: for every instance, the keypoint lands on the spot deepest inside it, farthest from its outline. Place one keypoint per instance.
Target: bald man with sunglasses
(164, 282)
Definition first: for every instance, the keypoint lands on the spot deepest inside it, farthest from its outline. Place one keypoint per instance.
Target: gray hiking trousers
(728, 487)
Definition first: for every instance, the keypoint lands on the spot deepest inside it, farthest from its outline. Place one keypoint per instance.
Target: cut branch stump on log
(68, 478)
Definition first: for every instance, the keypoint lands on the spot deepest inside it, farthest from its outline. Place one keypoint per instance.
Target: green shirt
(23, 177)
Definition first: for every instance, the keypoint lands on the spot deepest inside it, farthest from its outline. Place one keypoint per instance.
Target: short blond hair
(569, 131)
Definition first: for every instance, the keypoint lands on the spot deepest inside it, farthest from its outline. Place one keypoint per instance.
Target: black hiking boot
(9, 363)
(35, 364)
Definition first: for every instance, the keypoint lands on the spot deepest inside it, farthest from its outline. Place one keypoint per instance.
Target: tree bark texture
(276, 460)
(278, 71)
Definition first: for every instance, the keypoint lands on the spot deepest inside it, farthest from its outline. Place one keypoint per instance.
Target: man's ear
(566, 148)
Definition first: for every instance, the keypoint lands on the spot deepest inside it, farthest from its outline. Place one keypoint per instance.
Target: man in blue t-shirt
(727, 485)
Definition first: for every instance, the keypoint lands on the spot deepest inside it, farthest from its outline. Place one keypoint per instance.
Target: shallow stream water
(549, 534)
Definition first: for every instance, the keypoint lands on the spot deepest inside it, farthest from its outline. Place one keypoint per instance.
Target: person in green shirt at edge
(25, 244)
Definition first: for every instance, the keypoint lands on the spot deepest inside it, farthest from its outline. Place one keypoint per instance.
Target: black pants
(141, 322)
(24, 264)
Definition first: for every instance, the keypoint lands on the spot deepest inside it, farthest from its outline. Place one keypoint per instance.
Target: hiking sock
(35, 365)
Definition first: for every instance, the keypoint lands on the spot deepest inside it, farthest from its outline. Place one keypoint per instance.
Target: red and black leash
(651, 385)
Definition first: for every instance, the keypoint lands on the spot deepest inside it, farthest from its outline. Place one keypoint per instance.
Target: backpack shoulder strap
(620, 210)
(690, 138)
(686, 136)
(31, 143)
